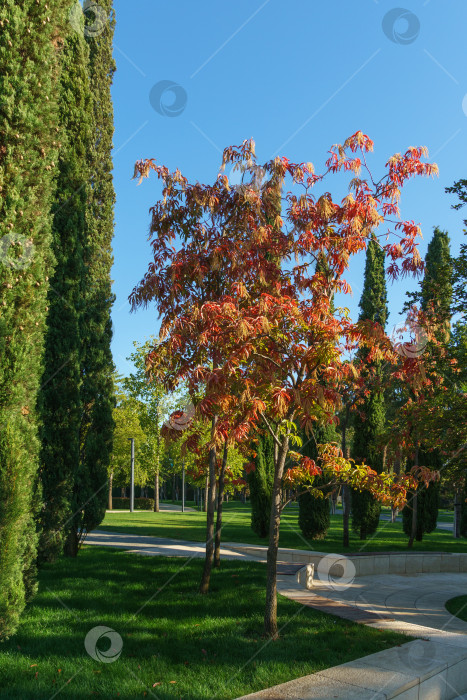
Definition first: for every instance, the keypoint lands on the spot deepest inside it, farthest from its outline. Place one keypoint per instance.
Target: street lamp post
(132, 476)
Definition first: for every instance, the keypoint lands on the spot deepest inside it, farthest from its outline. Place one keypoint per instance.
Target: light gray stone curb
(370, 564)
(418, 670)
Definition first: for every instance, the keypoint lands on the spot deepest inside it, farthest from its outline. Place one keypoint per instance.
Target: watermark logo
(181, 420)
(16, 251)
(336, 572)
(168, 98)
(409, 340)
(401, 26)
(243, 177)
(96, 635)
(89, 11)
(417, 656)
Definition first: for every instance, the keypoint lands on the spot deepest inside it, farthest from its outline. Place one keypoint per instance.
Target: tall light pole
(132, 476)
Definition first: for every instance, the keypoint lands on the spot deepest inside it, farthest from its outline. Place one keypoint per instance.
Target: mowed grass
(176, 643)
(191, 525)
(458, 607)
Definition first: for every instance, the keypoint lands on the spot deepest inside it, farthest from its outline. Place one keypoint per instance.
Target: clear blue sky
(297, 76)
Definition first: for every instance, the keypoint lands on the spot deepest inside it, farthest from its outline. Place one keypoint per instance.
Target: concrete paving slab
(158, 546)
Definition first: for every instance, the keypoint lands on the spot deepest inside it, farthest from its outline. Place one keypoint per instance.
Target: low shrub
(140, 504)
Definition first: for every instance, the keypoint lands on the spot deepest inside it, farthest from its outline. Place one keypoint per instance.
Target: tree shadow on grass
(211, 646)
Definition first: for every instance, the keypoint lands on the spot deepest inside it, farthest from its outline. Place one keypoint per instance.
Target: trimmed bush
(140, 503)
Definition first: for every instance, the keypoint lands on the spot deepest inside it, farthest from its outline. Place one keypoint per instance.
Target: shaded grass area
(192, 526)
(176, 643)
(458, 607)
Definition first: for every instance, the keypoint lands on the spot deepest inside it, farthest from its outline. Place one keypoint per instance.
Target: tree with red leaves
(247, 316)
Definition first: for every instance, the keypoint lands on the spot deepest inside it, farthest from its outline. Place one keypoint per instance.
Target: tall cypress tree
(373, 307)
(89, 495)
(261, 481)
(314, 515)
(29, 38)
(434, 297)
(60, 401)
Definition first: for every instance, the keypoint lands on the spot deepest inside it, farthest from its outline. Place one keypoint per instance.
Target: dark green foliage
(460, 263)
(140, 503)
(370, 421)
(373, 303)
(427, 511)
(434, 297)
(313, 512)
(60, 401)
(427, 500)
(89, 496)
(261, 481)
(436, 288)
(29, 36)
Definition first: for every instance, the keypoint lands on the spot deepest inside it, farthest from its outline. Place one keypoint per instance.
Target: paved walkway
(413, 605)
(162, 506)
(158, 546)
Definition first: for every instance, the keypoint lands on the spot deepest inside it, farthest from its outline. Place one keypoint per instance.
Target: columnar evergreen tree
(260, 481)
(368, 428)
(89, 496)
(29, 37)
(60, 401)
(313, 515)
(434, 297)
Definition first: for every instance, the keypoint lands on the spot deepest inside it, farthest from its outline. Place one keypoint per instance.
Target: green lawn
(176, 643)
(444, 515)
(458, 607)
(191, 526)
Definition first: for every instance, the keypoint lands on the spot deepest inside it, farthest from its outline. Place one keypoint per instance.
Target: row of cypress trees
(56, 219)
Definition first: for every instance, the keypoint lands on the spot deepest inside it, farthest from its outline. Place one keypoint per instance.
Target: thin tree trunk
(211, 504)
(205, 503)
(397, 470)
(346, 515)
(220, 500)
(270, 616)
(111, 478)
(456, 531)
(414, 510)
(156, 492)
(72, 543)
(345, 488)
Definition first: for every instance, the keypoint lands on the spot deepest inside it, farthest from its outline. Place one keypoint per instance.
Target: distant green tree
(313, 512)
(155, 405)
(434, 298)
(30, 38)
(369, 427)
(260, 481)
(126, 415)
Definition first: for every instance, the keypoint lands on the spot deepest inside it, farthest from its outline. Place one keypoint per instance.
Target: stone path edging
(418, 670)
(367, 564)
